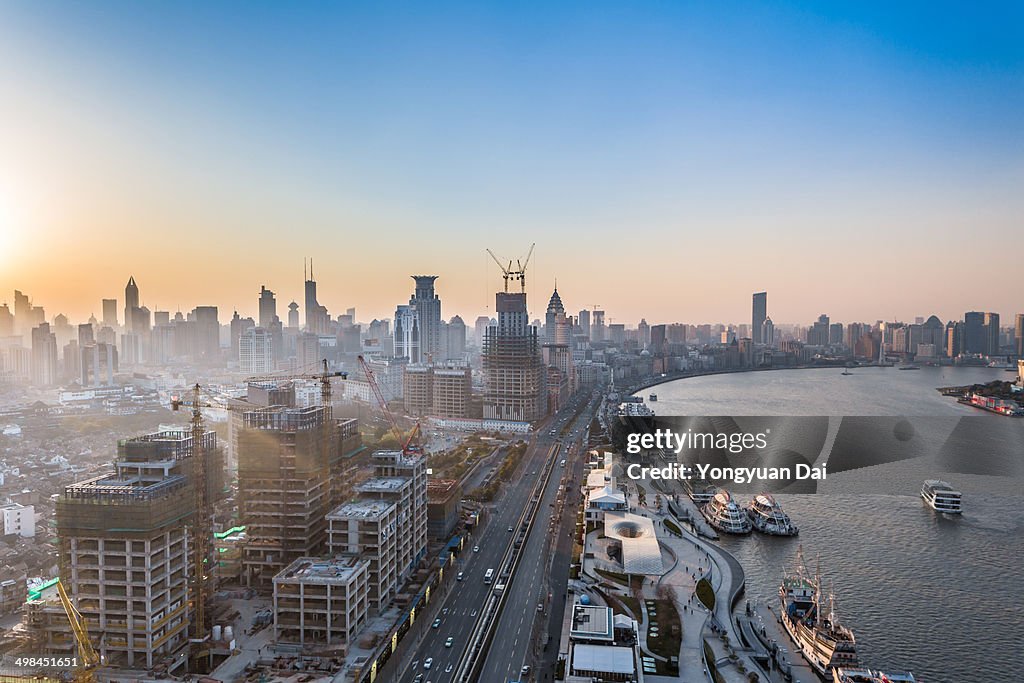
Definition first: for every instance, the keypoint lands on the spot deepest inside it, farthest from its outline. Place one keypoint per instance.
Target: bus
(489, 575)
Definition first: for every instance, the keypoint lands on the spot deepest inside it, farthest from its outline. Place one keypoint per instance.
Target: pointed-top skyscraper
(131, 301)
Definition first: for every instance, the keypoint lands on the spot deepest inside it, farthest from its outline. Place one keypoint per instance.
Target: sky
(668, 158)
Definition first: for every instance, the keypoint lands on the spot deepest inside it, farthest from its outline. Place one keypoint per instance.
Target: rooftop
(339, 569)
(603, 658)
(591, 621)
(364, 509)
(383, 484)
(641, 553)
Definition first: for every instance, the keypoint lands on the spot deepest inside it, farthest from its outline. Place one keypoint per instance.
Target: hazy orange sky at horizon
(668, 163)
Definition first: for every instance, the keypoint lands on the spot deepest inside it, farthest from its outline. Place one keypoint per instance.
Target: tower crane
(410, 445)
(202, 520)
(519, 273)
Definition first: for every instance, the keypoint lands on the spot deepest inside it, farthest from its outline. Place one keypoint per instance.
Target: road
(520, 620)
(462, 600)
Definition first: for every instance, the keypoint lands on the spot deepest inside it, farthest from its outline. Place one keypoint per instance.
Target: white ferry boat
(767, 516)
(941, 496)
(812, 624)
(845, 675)
(725, 514)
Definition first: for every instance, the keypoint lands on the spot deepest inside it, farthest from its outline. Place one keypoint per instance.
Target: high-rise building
(285, 457)
(268, 307)
(992, 344)
(293, 315)
(480, 330)
(427, 305)
(1018, 331)
(239, 326)
(514, 374)
(6, 322)
(597, 331)
(98, 364)
(317, 318)
(975, 338)
(407, 333)
(387, 525)
(131, 302)
(126, 552)
(456, 339)
(110, 313)
(256, 351)
(44, 356)
(583, 320)
(760, 312)
(768, 332)
(659, 340)
(643, 333)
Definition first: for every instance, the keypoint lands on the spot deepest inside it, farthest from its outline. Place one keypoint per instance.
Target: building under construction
(127, 552)
(292, 469)
(514, 373)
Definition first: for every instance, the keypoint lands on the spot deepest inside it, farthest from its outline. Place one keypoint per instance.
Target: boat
(847, 675)
(703, 495)
(845, 372)
(942, 497)
(652, 397)
(766, 516)
(810, 621)
(909, 366)
(725, 514)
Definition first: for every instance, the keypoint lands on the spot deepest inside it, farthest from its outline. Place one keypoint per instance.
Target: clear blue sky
(849, 158)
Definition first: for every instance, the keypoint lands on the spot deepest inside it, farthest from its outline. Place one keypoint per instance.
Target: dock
(779, 653)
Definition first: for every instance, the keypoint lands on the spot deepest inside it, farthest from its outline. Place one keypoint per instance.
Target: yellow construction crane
(86, 671)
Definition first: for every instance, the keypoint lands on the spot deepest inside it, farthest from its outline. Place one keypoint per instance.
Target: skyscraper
(268, 307)
(584, 323)
(428, 312)
(1018, 331)
(110, 313)
(316, 315)
(44, 356)
(7, 321)
(991, 334)
(513, 369)
(256, 351)
(974, 332)
(131, 302)
(407, 333)
(293, 315)
(760, 312)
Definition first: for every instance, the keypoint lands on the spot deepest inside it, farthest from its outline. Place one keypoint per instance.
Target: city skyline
(694, 152)
(251, 310)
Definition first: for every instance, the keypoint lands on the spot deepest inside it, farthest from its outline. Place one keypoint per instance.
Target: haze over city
(692, 152)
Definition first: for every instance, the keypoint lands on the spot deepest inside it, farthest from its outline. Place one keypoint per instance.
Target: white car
(428, 662)
(476, 549)
(448, 643)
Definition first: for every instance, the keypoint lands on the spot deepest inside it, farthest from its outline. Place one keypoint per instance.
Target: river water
(942, 596)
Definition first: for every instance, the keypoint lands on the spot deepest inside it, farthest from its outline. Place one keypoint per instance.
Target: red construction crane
(411, 445)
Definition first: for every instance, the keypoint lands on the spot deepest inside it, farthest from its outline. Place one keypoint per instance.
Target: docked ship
(767, 516)
(701, 495)
(942, 497)
(845, 675)
(725, 514)
(811, 622)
